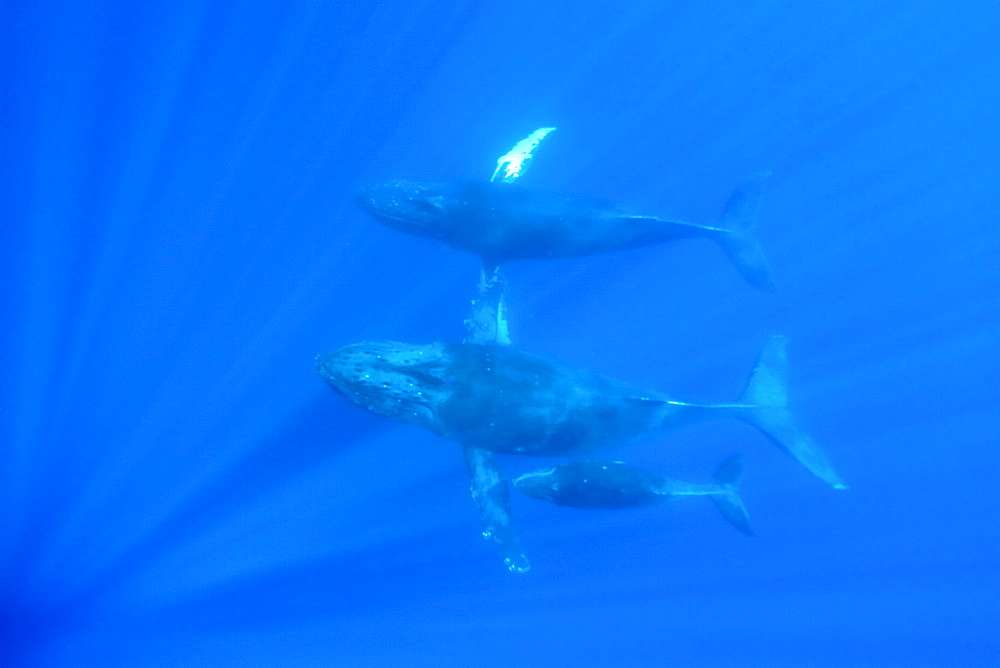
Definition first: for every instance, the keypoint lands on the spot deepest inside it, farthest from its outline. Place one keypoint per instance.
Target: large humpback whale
(590, 484)
(502, 222)
(505, 401)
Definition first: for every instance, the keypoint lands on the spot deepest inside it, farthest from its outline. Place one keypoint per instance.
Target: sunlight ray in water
(353, 503)
(213, 417)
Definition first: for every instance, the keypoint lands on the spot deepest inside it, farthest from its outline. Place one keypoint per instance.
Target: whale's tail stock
(764, 404)
(735, 233)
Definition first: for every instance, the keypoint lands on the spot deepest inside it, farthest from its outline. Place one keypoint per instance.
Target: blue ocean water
(179, 240)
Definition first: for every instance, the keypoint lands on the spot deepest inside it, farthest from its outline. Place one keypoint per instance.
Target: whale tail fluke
(764, 404)
(735, 233)
(727, 499)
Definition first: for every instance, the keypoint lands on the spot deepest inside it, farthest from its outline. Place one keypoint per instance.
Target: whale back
(508, 401)
(584, 483)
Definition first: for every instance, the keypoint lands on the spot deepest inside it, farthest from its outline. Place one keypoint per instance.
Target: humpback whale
(593, 484)
(506, 401)
(502, 222)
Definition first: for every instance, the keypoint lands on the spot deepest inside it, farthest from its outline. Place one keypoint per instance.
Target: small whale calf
(593, 484)
(501, 222)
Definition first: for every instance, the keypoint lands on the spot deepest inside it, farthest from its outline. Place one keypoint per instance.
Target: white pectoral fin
(514, 162)
(487, 321)
(492, 495)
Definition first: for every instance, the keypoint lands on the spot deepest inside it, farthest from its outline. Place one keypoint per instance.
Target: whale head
(402, 381)
(542, 484)
(424, 209)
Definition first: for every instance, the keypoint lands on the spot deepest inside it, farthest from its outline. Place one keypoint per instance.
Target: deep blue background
(179, 240)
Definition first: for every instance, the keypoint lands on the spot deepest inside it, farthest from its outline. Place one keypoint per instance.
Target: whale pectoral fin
(487, 321)
(492, 495)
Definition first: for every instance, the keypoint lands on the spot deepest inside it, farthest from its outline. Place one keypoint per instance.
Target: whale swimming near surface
(591, 484)
(502, 222)
(501, 400)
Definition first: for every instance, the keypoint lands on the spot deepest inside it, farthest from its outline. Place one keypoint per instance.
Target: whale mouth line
(403, 406)
(408, 222)
(403, 221)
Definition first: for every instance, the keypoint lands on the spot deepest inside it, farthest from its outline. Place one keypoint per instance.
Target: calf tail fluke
(735, 234)
(764, 404)
(727, 499)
